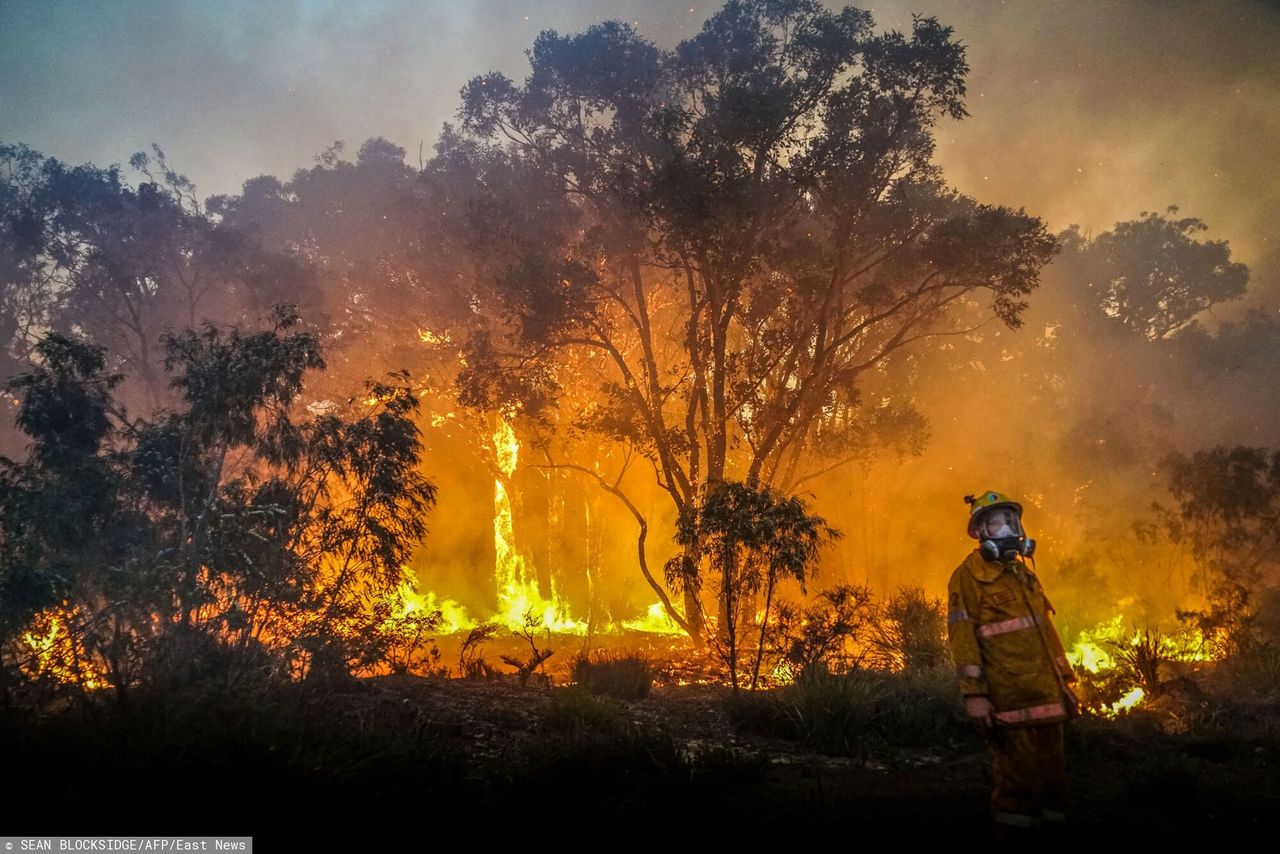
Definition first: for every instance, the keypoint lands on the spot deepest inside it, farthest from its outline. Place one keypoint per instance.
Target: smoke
(1091, 112)
(1083, 113)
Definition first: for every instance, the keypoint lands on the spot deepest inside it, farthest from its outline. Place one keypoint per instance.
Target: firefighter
(1013, 670)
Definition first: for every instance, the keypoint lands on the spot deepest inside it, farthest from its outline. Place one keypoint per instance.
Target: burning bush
(830, 634)
(471, 661)
(911, 632)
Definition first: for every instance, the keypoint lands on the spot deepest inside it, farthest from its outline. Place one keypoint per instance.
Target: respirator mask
(1002, 537)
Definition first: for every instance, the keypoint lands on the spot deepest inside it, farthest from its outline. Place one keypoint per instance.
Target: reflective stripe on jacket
(1004, 643)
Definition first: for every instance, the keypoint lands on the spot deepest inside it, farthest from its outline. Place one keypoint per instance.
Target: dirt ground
(1130, 778)
(419, 761)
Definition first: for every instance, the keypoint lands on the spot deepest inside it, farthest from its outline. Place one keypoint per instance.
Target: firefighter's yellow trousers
(1029, 774)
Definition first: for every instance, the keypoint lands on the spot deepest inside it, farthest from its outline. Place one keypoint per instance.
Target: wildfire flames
(54, 654)
(518, 595)
(1109, 652)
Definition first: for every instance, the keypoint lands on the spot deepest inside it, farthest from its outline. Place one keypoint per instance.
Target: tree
(24, 283)
(1228, 513)
(1151, 276)
(95, 257)
(755, 538)
(226, 535)
(60, 512)
(763, 229)
(413, 259)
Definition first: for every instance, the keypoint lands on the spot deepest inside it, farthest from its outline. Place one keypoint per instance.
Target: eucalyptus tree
(764, 228)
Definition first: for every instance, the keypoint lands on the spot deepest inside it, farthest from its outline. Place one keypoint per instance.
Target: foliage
(1161, 299)
(404, 640)
(471, 661)
(222, 531)
(89, 254)
(575, 708)
(910, 632)
(525, 667)
(849, 714)
(1228, 514)
(830, 634)
(621, 675)
(1140, 659)
(754, 538)
(759, 229)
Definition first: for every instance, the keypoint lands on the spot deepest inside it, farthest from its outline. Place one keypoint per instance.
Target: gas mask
(1002, 535)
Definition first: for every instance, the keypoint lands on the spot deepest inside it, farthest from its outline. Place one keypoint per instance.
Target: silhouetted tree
(1153, 277)
(1228, 513)
(95, 257)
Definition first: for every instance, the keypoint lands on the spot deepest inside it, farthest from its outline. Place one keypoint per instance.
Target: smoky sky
(1082, 112)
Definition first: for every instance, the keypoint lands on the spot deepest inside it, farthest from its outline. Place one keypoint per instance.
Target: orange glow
(55, 654)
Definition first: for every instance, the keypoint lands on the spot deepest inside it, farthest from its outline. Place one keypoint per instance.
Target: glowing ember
(435, 340)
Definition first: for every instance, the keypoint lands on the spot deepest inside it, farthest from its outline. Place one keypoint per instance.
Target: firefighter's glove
(979, 710)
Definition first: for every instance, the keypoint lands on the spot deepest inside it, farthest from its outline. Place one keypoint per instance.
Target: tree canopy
(762, 227)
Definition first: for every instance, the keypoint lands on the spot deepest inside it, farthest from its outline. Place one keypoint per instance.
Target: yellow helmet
(980, 504)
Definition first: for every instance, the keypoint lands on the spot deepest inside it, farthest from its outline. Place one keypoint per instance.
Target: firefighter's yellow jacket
(1004, 643)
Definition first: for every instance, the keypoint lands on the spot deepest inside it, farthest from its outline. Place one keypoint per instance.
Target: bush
(624, 675)
(573, 708)
(851, 713)
(911, 632)
(471, 660)
(1256, 673)
(830, 634)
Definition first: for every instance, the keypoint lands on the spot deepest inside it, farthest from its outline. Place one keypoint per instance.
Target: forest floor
(379, 758)
(1145, 776)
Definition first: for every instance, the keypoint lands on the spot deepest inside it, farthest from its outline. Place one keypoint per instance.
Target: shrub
(471, 660)
(910, 633)
(849, 714)
(573, 708)
(830, 634)
(624, 675)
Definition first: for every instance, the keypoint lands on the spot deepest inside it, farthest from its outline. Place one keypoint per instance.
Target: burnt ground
(1136, 776)
(378, 759)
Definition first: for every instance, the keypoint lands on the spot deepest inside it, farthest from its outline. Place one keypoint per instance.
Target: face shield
(1000, 523)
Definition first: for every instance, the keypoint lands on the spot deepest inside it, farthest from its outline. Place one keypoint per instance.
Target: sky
(1082, 112)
